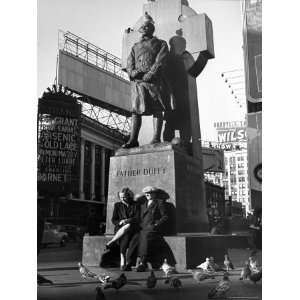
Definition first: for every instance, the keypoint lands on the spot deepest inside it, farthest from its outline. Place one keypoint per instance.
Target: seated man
(152, 216)
(125, 218)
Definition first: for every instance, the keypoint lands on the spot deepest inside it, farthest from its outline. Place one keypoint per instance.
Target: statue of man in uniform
(149, 88)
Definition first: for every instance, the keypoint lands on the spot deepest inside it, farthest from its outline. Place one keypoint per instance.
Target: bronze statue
(149, 89)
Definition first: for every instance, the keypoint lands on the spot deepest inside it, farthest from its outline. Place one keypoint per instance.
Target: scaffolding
(87, 51)
(79, 47)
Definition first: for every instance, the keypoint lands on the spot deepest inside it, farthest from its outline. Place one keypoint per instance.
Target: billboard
(253, 49)
(231, 134)
(103, 88)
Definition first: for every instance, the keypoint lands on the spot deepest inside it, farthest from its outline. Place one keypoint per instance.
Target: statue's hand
(148, 76)
(135, 74)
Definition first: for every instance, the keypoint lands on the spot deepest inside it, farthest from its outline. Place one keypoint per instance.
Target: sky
(102, 23)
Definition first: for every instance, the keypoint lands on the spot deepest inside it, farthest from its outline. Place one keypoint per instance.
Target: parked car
(52, 235)
(75, 233)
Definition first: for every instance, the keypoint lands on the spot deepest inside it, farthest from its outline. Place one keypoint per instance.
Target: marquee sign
(58, 144)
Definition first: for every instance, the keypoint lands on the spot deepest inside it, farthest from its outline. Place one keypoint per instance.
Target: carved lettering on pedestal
(139, 172)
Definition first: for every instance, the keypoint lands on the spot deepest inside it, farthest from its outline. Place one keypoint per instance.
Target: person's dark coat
(152, 220)
(129, 212)
(149, 94)
(154, 216)
(122, 211)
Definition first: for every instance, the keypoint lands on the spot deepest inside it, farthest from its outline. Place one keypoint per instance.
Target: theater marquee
(58, 144)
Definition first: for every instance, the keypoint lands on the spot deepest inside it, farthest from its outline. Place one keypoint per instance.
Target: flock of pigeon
(206, 270)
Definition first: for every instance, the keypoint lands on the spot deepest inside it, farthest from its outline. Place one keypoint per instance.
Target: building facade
(236, 177)
(97, 144)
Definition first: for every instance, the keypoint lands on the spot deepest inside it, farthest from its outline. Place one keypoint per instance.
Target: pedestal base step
(189, 250)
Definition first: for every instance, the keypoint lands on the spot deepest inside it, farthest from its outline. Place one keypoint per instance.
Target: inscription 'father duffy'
(140, 172)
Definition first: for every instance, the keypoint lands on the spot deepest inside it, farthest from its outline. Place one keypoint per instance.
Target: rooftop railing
(89, 52)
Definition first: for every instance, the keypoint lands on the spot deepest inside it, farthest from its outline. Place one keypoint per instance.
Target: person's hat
(147, 19)
(149, 189)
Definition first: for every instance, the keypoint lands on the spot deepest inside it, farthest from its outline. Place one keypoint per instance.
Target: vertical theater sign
(253, 67)
(58, 144)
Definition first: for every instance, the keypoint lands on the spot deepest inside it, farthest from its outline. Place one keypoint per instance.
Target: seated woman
(126, 220)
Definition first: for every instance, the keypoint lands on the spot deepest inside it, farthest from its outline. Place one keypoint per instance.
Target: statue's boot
(157, 126)
(136, 122)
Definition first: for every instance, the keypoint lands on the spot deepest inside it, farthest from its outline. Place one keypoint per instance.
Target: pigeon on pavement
(167, 269)
(116, 283)
(151, 281)
(255, 277)
(246, 272)
(213, 266)
(221, 289)
(227, 263)
(175, 282)
(206, 266)
(99, 294)
(253, 264)
(103, 278)
(85, 272)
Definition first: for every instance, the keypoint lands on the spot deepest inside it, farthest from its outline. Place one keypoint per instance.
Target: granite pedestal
(169, 168)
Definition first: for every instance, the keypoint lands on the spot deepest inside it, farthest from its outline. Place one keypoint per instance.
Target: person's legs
(136, 122)
(157, 126)
(145, 244)
(119, 234)
(132, 249)
(124, 243)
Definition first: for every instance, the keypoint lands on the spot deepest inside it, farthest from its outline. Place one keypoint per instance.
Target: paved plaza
(68, 283)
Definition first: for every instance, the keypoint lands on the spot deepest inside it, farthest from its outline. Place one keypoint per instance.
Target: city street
(68, 283)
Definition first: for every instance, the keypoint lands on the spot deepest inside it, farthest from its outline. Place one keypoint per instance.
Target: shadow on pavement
(58, 268)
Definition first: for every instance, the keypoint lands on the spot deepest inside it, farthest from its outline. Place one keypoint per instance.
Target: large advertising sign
(103, 88)
(253, 49)
(58, 145)
(231, 134)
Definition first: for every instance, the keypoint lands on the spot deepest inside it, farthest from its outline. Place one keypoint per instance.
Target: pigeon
(205, 265)
(167, 269)
(151, 281)
(227, 263)
(116, 283)
(246, 272)
(175, 282)
(212, 265)
(221, 289)
(42, 280)
(85, 272)
(255, 277)
(103, 278)
(200, 275)
(99, 294)
(253, 264)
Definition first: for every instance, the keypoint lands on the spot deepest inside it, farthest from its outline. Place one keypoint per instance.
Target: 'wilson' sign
(233, 135)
